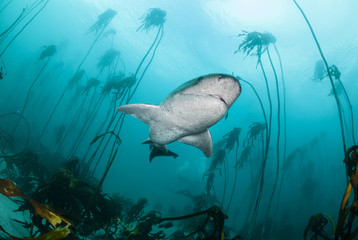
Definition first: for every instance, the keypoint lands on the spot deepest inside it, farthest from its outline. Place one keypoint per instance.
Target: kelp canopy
(155, 17)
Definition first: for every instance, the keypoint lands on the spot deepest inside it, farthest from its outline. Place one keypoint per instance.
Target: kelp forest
(285, 158)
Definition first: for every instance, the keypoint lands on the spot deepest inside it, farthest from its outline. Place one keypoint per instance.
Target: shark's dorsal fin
(145, 112)
(202, 141)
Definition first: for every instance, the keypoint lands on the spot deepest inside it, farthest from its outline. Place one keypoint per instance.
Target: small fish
(188, 112)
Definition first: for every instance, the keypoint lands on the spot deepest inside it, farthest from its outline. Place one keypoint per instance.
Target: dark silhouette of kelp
(6, 142)
(102, 21)
(340, 89)
(232, 139)
(71, 197)
(95, 215)
(91, 83)
(120, 86)
(319, 71)
(107, 59)
(315, 228)
(144, 228)
(72, 83)
(6, 5)
(244, 156)
(338, 103)
(259, 43)
(345, 228)
(3, 72)
(47, 53)
(254, 133)
(217, 160)
(28, 22)
(210, 223)
(8, 136)
(26, 170)
(98, 27)
(12, 25)
(153, 18)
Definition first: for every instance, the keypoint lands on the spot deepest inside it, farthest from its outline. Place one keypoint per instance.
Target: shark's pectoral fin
(148, 141)
(147, 113)
(202, 141)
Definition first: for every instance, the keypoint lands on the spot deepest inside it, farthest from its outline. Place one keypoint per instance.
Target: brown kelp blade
(9, 189)
(53, 218)
(55, 234)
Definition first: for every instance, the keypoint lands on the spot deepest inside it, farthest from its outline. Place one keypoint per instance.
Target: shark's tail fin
(145, 112)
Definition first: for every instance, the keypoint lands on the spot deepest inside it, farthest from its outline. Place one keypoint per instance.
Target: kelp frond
(48, 51)
(154, 17)
(75, 79)
(256, 130)
(335, 72)
(244, 157)
(319, 71)
(103, 20)
(232, 138)
(91, 83)
(218, 159)
(108, 58)
(255, 40)
(338, 87)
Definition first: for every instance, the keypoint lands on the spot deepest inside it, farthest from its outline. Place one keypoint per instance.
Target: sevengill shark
(187, 113)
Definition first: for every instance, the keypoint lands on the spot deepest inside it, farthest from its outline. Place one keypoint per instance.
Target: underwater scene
(178, 120)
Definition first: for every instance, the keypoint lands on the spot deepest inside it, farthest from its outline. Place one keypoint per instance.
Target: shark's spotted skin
(188, 112)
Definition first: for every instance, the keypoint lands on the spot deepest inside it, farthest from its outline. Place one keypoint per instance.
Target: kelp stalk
(154, 17)
(237, 146)
(329, 75)
(22, 29)
(65, 90)
(278, 134)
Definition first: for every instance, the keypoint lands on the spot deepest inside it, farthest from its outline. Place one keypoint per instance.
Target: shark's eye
(220, 77)
(199, 79)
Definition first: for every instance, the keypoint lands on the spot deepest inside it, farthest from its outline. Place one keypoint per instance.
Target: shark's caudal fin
(145, 112)
(202, 141)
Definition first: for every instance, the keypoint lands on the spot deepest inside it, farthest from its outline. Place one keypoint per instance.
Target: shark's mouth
(218, 97)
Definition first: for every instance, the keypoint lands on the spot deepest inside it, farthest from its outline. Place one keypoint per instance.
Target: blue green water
(196, 38)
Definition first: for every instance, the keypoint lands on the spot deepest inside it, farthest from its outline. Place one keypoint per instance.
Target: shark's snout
(228, 88)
